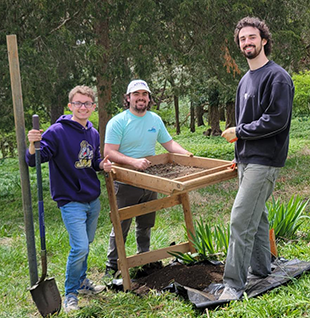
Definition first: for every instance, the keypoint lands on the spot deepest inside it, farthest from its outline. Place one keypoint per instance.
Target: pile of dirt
(198, 276)
(172, 170)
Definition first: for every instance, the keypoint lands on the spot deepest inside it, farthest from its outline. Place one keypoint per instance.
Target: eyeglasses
(86, 104)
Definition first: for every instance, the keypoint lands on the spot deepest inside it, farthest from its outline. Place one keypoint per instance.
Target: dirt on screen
(172, 170)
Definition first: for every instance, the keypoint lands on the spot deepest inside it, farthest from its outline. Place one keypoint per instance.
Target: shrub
(209, 242)
(285, 220)
(301, 104)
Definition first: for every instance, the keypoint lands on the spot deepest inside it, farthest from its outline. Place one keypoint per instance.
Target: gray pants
(249, 237)
(127, 195)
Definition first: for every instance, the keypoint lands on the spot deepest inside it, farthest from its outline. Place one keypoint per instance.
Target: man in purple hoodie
(71, 146)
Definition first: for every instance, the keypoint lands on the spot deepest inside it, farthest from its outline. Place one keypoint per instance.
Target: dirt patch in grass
(198, 276)
(6, 241)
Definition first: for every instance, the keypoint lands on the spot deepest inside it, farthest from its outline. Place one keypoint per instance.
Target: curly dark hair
(258, 24)
(126, 103)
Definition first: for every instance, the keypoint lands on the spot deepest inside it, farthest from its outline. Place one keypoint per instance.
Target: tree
(106, 43)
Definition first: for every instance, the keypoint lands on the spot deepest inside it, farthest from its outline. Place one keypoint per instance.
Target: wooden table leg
(188, 218)
(118, 232)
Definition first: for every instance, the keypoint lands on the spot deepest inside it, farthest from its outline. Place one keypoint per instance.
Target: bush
(301, 104)
(285, 220)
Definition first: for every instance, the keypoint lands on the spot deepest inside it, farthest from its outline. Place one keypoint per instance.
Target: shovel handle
(36, 125)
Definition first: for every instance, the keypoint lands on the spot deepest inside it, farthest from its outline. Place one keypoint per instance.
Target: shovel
(44, 293)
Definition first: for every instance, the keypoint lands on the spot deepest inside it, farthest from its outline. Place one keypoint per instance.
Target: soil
(172, 170)
(198, 276)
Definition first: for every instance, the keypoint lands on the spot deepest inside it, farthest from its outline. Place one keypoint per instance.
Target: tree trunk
(215, 119)
(192, 122)
(59, 97)
(104, 99)
(230, 115)
(199, 115)
(104, 87)
(56, 111)
(57, 107)
(177, 114)
(160, 99)
(222, 113)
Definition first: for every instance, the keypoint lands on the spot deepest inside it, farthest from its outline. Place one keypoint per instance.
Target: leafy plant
(302, 93)
(285, 220)
(210, 243)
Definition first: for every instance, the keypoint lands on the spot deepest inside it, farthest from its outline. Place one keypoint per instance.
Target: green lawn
(212, 203)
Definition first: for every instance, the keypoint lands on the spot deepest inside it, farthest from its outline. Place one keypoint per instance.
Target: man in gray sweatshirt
(263, 114)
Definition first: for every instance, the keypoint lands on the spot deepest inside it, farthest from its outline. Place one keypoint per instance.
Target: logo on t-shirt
(247, 96)
(152, 130)
(86, 155)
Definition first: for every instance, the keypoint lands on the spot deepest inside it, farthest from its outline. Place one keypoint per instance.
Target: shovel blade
(46, 296)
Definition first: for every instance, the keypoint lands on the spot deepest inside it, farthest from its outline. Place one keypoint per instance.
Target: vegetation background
(184, 49)
(212, 204)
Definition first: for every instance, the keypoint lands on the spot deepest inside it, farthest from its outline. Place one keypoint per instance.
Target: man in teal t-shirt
(130, 137)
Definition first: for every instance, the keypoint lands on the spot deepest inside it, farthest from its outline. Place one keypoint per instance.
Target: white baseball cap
(137, 85)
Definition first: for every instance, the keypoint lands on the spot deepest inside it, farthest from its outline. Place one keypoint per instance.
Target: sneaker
(71, 303)
(230, 293)
(89, 288)
(110, 272)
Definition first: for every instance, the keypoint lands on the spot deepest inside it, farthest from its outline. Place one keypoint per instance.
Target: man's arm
(111, 150)
(173, 146)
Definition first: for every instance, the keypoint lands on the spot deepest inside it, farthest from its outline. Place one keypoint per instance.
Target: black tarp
(283, 271)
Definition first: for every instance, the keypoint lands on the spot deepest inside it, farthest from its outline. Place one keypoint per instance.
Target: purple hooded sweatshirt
(73, 153)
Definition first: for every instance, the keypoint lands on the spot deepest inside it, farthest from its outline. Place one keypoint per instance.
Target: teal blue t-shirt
(136, 136)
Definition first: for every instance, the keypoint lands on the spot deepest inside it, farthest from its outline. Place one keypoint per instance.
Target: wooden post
(21, 148)
(273, 244)
(188, 219)
(120, 245)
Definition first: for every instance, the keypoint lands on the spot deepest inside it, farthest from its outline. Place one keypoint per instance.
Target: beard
(140, 109)
(252, 54)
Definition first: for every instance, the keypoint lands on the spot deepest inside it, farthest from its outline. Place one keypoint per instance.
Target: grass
(212, 204)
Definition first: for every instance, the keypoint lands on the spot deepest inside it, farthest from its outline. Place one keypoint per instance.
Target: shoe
(230, 293)
(109, 272)
(89, 288)
(71, 303)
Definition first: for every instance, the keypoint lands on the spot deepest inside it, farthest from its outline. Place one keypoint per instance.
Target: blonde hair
(84, 90)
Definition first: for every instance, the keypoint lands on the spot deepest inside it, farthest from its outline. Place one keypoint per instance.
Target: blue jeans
(249, 227)
(80, 220)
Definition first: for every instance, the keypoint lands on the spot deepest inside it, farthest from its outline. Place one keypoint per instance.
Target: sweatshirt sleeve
(48, 149)
(97, 156)
(276, 116)
(30, 159)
